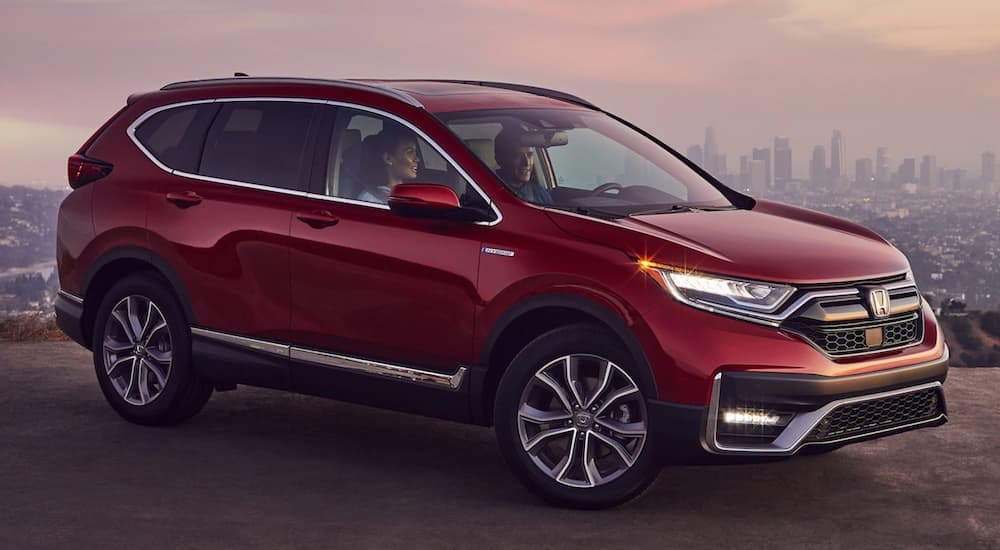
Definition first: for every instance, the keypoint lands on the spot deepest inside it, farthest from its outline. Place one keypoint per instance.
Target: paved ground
(260, 469)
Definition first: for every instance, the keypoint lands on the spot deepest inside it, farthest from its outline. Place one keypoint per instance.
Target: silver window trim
(342, 362)
(791, 439)
(333, 103)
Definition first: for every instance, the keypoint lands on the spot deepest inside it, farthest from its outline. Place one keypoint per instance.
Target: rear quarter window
(175, 136)
(262, 142)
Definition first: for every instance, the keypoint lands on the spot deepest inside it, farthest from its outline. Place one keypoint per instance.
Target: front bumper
(814, 410)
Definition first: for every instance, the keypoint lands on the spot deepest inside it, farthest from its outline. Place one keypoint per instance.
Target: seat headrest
(483, 148)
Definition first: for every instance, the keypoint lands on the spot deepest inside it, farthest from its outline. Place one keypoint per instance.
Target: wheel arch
(534, 316)
(118, 263)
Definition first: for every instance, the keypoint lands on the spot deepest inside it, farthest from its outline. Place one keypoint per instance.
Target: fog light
(750, 417)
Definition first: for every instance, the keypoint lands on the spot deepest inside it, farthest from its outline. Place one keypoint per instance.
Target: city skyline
(920, 79)
(834, 164)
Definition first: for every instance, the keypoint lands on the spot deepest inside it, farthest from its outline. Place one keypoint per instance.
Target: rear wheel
(571, 419)
(142, 354)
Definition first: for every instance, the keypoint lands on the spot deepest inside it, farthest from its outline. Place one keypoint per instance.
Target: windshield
(583, 161)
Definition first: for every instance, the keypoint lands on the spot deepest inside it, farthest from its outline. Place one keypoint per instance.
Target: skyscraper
(696, 155)
(863, 173)
(782, 162)
(928, 172)
(882, 165)
(758, 177)
(989, 167)
(838, 160)
(764, 155)
(711, 152)
(907, 171)
(744, 176)
(817, 167)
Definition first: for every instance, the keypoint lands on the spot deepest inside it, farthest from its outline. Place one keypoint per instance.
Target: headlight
(731, 294)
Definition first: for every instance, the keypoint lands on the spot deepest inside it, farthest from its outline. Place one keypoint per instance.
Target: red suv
(488, 253)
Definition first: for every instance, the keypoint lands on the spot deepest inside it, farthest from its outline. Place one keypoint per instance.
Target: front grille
(849, 339)
(878, 414)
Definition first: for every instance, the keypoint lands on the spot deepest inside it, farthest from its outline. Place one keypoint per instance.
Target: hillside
(974, 338)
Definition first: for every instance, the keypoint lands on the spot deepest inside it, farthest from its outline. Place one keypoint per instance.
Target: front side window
(583, 161)
(261, 142)
(370, 154)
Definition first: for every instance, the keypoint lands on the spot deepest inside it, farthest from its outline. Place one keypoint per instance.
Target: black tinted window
(260, 142)
(175, 136)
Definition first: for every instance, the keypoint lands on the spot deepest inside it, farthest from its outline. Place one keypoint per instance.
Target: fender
(583, 305)
(149, 257)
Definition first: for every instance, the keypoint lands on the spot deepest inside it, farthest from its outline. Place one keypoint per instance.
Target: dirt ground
(262, 469)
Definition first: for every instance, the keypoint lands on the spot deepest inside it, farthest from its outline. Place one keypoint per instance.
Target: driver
(517, 166)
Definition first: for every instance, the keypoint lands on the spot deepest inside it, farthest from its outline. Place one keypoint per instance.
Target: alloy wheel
(582, 420)
(137, 350)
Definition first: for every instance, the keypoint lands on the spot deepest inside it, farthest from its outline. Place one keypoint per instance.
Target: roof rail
(534, 90)
(384, 90)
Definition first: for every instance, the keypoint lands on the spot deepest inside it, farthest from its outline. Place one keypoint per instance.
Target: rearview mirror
(545, 138)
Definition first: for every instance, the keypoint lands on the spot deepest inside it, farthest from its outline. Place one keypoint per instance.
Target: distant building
(907, 171)
(989, 167)
(928, 172)
(711, 152)
(764, 155)
(744, 175)
(864, 174)
(782, 162)
(758, 177)
(817, 166)
(696, 155)
(838, 157)
(882, 165)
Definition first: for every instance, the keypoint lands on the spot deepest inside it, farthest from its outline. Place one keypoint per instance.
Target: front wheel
(571, 419)
(142, 354)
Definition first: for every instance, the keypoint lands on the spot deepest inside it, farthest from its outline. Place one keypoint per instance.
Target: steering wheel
(605, 187)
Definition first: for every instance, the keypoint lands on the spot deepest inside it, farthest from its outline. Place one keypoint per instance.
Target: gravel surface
(263, 469)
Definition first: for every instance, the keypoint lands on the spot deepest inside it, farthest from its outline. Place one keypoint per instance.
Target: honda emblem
(878, 300)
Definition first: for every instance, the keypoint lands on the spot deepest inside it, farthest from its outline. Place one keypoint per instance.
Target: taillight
(83, 170)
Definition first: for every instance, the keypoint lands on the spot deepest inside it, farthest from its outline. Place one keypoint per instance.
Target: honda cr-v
(488, 253)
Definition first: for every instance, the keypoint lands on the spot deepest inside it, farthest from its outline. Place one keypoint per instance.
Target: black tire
(570, 340)
(184, 393)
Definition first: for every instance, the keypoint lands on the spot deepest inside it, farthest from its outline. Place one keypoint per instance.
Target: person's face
(403, 161)
(521, 161)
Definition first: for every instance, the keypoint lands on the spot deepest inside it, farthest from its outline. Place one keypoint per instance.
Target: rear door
(221, 220)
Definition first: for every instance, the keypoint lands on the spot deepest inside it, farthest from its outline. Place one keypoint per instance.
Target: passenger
(517, 166)
(388, 158)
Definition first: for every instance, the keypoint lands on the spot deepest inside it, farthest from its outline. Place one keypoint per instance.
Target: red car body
(288, 269)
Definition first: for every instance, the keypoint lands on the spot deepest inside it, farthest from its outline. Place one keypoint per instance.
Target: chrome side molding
(71, 297)
(343, 362)
(451, 381)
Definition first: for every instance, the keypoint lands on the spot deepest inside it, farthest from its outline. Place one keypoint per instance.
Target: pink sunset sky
(918, 76)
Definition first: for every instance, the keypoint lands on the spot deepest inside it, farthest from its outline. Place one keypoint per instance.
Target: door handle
(318, 219)
(185, 199)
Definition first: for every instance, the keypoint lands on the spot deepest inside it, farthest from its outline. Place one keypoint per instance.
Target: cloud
(959, 26)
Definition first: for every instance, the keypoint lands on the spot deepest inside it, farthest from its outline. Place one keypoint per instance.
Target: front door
(367, 283)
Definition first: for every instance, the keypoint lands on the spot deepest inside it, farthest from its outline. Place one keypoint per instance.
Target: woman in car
(389, 157)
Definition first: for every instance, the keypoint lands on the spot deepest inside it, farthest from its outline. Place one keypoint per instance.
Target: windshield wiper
(668, 210)
(680, 208)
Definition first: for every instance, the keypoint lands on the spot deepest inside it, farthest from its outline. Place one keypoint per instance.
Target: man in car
(517, 166)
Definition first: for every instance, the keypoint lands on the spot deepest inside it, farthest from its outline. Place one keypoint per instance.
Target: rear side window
(262, 142)
(175, 136)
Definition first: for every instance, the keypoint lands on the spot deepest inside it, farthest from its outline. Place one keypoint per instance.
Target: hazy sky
(920, 76)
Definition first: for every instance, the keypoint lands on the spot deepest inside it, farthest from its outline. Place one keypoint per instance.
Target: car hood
(773, 242)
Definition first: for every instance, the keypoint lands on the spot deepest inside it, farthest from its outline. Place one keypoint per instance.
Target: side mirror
(431, 201)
